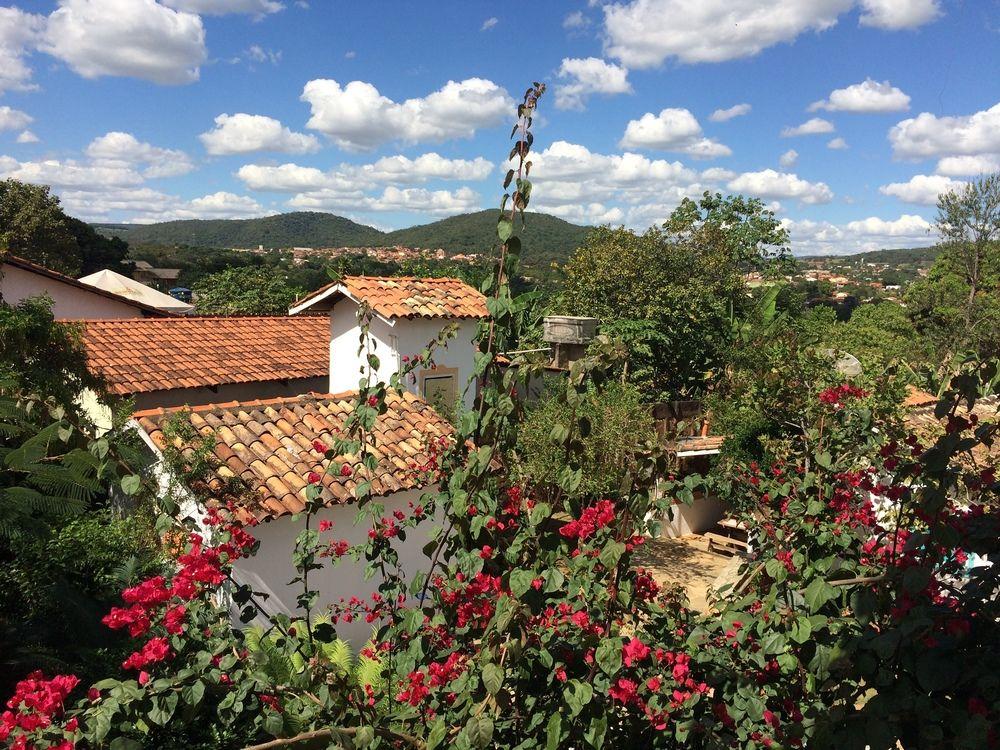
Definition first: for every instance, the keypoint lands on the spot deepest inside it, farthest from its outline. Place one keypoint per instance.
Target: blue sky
(847, 116)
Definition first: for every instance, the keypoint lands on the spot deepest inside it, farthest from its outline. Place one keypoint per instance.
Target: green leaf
(609, 656)
(125, 743)
(131, 484)
(818, 593)
(553, 732)
(801, 630)
(520, 581)
(479, 730)
(505, 228)
(611, 554)
(193, 693)
(824, 460)
(364, 737)
(437, 734)
(577, 695)
(492, 678)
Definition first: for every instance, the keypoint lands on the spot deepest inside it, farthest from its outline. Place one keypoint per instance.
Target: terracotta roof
(923, 421)
(268, 446)
(700, 443)
(404, 296)
(140, 355)
(27, 265)
(917, 397)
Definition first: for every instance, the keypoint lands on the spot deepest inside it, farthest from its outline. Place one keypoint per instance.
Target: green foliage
(244, 291)
(619, 425)
(33, 226)
(876, 334)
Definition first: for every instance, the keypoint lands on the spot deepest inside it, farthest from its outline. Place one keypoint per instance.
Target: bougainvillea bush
(855, 624)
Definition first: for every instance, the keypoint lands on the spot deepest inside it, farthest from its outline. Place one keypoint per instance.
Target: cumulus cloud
(815, 126)
(737, 110)
(416, 200)
(928, 135)
(873, 233)
(70, 173)
(145, 205)
(672, 130)
(225, 7)
(124, 150)
(349, 178)
(19, 32)
(837, 144)
(358, 117)
(899, 14)
(867, 96)
(789, 159)
(13, 119)
(26, 136)
(244, 134)
(770, 184)
(587, 76)
(489, 23)
(645, 33)
(136, 38)
(968, 166)
(922, 189)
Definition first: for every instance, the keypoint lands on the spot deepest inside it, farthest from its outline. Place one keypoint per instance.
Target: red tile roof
(405, 296)
(27, 265)
(140, 355)
(267, 445)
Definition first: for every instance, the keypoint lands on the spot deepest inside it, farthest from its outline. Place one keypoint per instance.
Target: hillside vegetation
(547, 238)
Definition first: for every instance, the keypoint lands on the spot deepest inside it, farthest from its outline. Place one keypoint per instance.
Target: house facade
(71, 299)
(407, 314)
(262, 457)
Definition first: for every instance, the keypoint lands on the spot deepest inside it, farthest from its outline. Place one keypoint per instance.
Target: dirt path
(685, 562)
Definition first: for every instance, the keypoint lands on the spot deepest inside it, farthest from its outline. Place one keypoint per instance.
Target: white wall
(406, 337)
(69, 301)
(697, 518)
(271, 568)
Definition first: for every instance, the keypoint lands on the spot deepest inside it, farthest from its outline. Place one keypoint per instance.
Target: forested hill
(298, 229)
(546, 238)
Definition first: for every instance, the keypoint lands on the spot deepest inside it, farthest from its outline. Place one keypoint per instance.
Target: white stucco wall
(405, 337)
(271, 569)
(69, 301)
(697, 518)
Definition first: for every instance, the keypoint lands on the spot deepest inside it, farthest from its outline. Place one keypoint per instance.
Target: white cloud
(26, 136)
(19, 32)
(135, 38)
(968, 166)
(358, 117)
(872, 233)
(867, 96)
(145, 205)
(928, 135)
(922, 189)
(815, 126)
(259, 54)
(644, 33)
(672, 130)
(576, 21)
(70, 173)
(789, 159)
(243, 134)
(898, 14)
(579, 185)
(717, 174)
(350, 178)
(776, 185)
(124, 150)
(589, 75)
(350, 54)
(13, 119)
(489, 23)
(416, 200)
(837, 144)
(737, 110)
(224, 7)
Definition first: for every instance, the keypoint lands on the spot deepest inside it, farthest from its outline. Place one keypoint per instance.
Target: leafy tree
(33, 226)
(97, 251)
(244, 291)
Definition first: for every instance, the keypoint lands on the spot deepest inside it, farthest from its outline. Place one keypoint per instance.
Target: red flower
(487, 552)
(156, 649)
(373, 400)
(653, 683)
(634, 651)
(314, 477)
(319, 446)
(346, 470)
(325, 525)
(623, 691)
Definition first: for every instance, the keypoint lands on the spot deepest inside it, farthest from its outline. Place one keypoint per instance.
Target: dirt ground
(686, 562)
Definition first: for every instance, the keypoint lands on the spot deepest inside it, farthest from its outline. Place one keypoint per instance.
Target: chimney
(569, 337)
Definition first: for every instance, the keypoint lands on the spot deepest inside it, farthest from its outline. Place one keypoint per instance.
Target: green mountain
(546, 238)
(298, 229)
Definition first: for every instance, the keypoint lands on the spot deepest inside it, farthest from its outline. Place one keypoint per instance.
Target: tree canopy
(244, 291)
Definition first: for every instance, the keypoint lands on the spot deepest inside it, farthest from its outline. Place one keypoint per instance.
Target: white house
(408, 313)
(265, 445)
(71, 299)
(266, 448)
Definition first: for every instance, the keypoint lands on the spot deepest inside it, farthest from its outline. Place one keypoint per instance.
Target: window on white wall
(439, 387)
